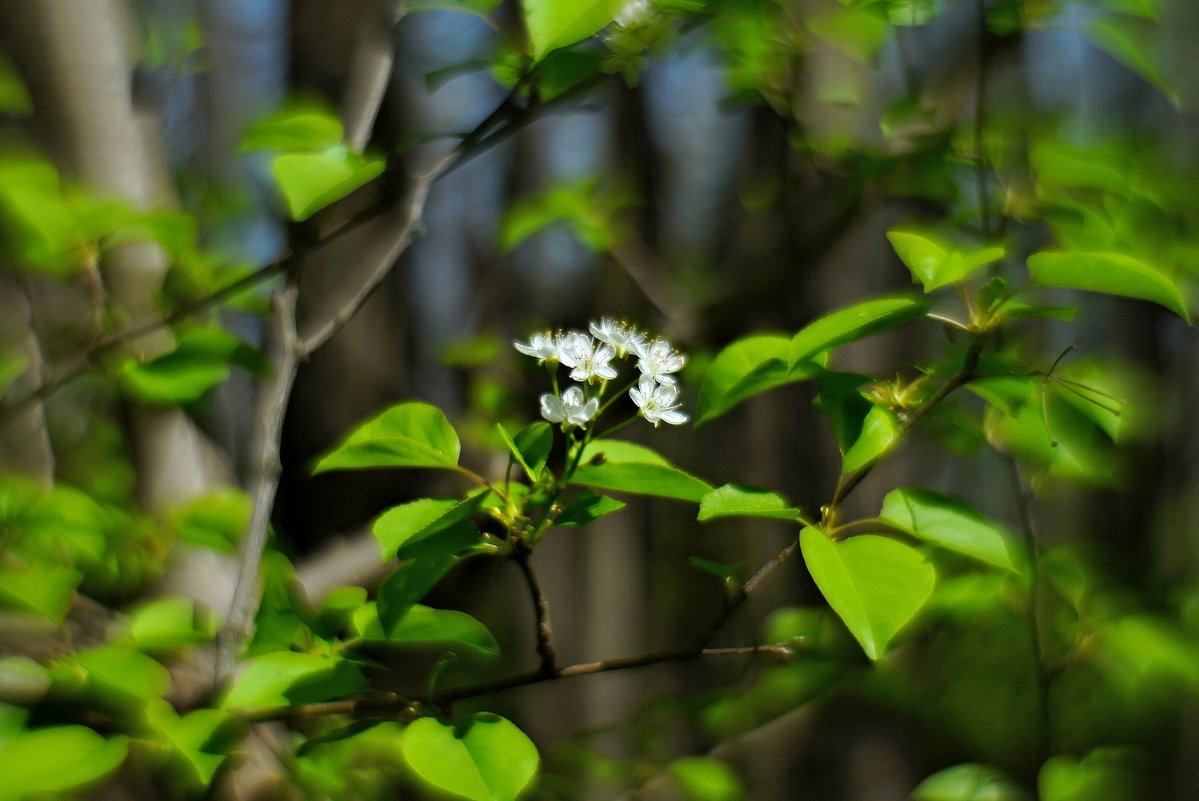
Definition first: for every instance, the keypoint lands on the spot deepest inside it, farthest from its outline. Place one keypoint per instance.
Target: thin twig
(541, 611)
(1024, 505)
(963, 376)
(389, 705)
(268, 423)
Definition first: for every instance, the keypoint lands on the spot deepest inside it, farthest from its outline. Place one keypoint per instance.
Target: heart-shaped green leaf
(483, 757)
(411, 434)
(874, 584)
(1109, 273)
(951, 524)
(625, 467)
(851, 324)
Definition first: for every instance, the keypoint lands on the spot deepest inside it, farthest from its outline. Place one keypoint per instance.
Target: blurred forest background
(739, 177)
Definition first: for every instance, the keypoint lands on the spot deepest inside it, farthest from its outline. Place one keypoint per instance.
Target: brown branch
(388, 706)
(268, 425)
(541, 611)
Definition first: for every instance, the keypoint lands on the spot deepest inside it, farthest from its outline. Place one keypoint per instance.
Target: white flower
(577, 350)
(571, 408)
(657, 402)
(541, 346)
(623, 337)
(659, 360)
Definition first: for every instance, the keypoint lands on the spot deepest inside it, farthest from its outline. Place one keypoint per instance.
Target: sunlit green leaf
(934, 261)
(739, 500)
(298, 127)
(1109, 273)
(120, 674)
(874, 584)
(311, 181)
(194, 737)
(1105, 774)
(745, 368)
(625, 467)
(410, 434)
(706, 779)
(215, 521)
(169, 623)
(53, 760)
(410, 523)
(880, 430)
(968, 782)
(951, 524)
(285, 678)
(557, 23)
(200, 361)
(46, 589)
(482, 757)
(425, 626)
(853, 323)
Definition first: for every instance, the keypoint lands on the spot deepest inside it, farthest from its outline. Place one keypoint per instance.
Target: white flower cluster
(590, 359)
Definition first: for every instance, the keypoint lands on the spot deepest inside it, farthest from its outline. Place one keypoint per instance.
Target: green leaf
(423, 625)
(856, 32)
(706, 779)
(286, 678)
(14, 97)
(625, 467)
(409, 583)
(192, 737)
(951, 524)
(557, 23)
(851, 324)
(739, 500)
(56, 759)
(311, 181)
(409, 524)
(411, 434)
(199, 362)
(745, 368)
(1109, 273)
(482, 757)
(587, 508)
(216, 521)
(117, 672)
(1105, 774)
(874, 584)
(170, 623)
(530, 447)
(1136, 45)
(880, 429)
(45, 589)
(934, 262)
(297, 127)
(968, 782)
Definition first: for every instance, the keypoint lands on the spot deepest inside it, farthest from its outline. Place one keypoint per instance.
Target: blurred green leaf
(625, 467)
(557, 23)
(120, 675)
(951, 524)
(410, 434)
(296, 127)
(286, 678)
(739, 500)
(170, 623)
(45, 589)
(855, 31)
(217, 520)
(14, 97)
(53, 760)
(874, 584)
(192, 737)
(311, 181)
(935, 262)
(706, 779)
(1109, 273)
(968, 782)
(1137, 45)
(481, 757)
(199, 362)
